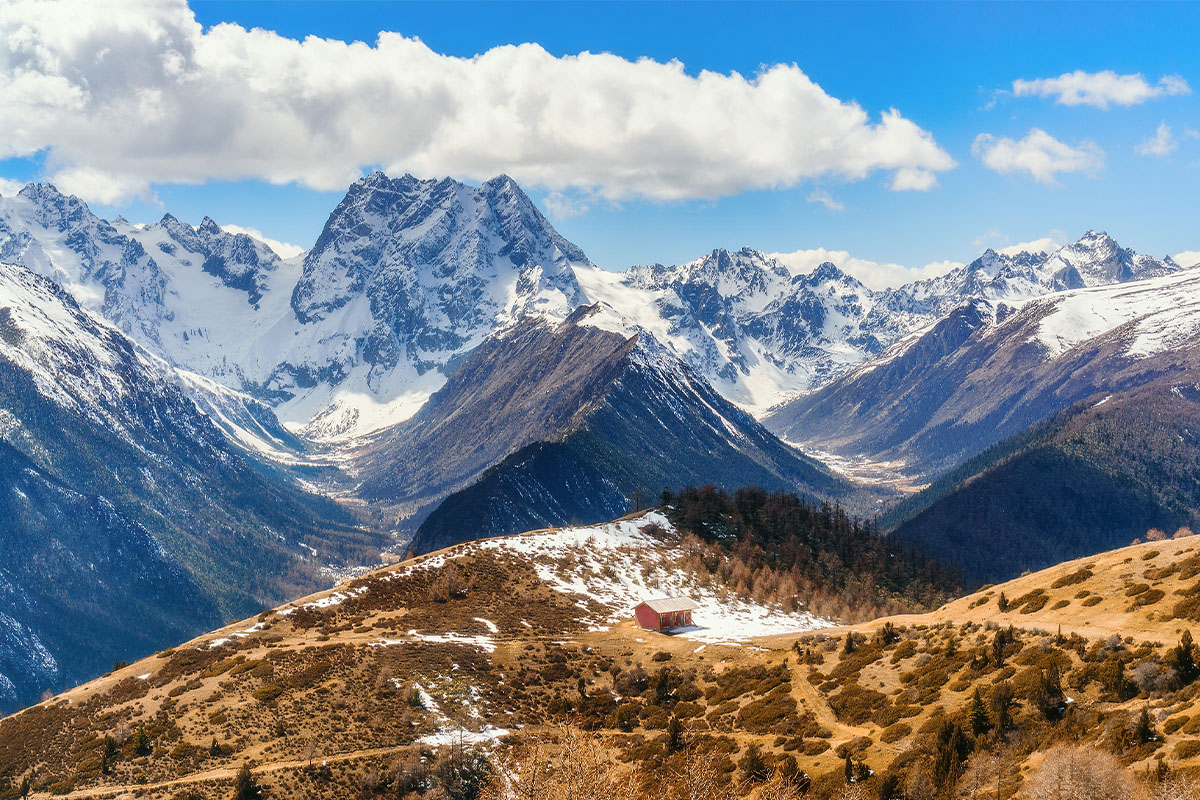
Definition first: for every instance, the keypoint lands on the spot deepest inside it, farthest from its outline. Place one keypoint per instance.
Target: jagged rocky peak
(49, 207)
(1098, 260)
(722, 272)
(747, 268)
(829, 273)
(990, 263)
(393, 239)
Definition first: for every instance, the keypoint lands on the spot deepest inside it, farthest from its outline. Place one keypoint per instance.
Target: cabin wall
(646, 617)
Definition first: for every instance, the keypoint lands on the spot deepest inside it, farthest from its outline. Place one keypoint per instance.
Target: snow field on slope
(1165, 312)
(617, 566)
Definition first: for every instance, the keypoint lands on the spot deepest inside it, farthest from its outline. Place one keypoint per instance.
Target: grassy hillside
(497, 657)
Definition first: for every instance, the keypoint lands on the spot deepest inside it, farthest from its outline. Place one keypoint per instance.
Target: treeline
(775, 544)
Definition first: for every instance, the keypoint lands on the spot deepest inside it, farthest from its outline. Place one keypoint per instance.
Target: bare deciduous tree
(576, 769)
(1075, 773)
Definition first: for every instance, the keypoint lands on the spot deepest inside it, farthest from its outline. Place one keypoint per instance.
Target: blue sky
(946, 68)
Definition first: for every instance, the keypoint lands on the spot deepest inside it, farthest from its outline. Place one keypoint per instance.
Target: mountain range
(408, 276)
(442, 365)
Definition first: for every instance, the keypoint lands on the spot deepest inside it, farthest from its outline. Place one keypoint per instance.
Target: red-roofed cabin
(665, 613)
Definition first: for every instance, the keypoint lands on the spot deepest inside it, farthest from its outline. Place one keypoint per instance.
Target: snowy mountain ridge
(410, 275)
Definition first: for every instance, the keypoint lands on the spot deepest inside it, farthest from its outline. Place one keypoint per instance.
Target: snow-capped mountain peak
(407, 276)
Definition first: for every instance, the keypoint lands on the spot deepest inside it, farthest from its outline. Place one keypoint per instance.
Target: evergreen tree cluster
(819, 545)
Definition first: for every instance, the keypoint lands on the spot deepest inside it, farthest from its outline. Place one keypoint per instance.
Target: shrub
(449, 585)
(1079, 576)
(1188, 748)
(245, 787)
(268, 693)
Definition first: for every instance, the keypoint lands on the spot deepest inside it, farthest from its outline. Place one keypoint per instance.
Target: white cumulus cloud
(1039, 154)
(119, 98)
(282, 249)
(873, 274)
(1162, 143)
(1052, 241)
(1100, 89)
(8, 187)
(1188, 258)
(826, 199)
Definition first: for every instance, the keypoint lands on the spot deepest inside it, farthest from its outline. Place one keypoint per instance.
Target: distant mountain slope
(965, 383)
(196, 296)
(613, 410)
(1092, 478)
(761, 333)
(127, 519)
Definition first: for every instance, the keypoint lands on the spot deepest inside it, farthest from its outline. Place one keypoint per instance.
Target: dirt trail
(224, 773)
(807, 697)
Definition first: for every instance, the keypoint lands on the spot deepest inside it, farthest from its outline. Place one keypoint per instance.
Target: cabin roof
(665, 605)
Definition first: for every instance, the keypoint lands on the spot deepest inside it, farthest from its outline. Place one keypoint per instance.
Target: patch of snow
(616, 566)
(489, 733)
(1161, 313)
(482, 642)
(449, 733)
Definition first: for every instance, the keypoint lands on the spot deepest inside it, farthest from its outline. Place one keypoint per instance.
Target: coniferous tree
(1114, 678)
(108, 754)
(1001, 706)
(1143, 731)
(1003, 602)
(977, 715)
(141, 743)
(849, 768)
(1049, 697)
(753, 766)
(998, 645)
(848, 645)
(1183, 659)
(674, 735)
(949, 753)
(245, 787)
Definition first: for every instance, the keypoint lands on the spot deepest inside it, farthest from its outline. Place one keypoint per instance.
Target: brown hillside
(342, 694)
